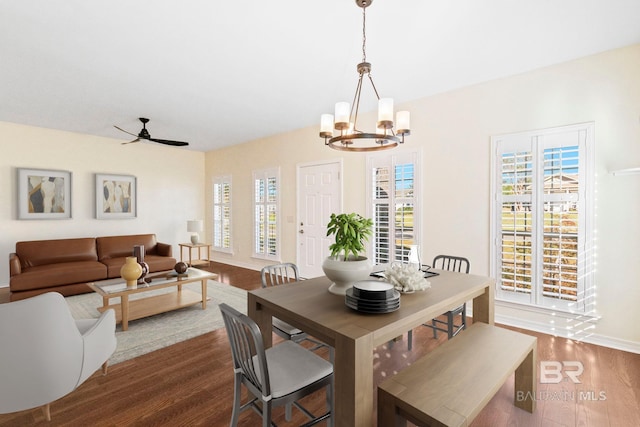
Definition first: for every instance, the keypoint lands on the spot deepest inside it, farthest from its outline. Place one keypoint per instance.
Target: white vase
(344, 273)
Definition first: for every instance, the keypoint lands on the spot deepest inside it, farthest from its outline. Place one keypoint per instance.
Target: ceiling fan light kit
(144, 134)
(345, 117)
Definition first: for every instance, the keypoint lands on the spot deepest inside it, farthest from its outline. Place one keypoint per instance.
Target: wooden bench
(450, 385)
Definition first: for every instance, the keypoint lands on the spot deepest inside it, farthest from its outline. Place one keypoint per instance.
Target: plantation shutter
(222, 213)
(392, 188)
(266, 215)
(541, 240)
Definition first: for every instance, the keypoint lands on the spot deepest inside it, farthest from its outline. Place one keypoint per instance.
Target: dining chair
(278, 376)
(449, 263)
(278, 274)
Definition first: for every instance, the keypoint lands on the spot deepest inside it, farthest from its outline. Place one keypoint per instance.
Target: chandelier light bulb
(342, 115)
(385, 113)
(403, 122)
(326, 125)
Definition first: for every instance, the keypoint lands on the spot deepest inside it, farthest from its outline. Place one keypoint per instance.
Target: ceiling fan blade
(131, 142)
(120, 129)
(169, 142)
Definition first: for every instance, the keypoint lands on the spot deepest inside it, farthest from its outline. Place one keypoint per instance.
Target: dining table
(309, 306)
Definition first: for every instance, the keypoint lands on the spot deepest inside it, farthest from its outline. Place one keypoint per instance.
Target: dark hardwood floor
(191, 383)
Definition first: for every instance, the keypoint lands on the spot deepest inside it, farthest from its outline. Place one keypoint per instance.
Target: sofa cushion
(42, 252)
(122, 246)
(44, 276)
(66, 290)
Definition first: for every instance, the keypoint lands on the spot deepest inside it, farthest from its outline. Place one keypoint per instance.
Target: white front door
(319, 195)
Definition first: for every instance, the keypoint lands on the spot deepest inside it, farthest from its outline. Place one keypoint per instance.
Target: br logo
(552, 372)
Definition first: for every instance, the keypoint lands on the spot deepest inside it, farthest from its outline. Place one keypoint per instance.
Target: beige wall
(453, 131)
(170, 186)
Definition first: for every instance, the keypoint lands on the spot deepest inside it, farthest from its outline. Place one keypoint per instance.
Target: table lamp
(194, 226)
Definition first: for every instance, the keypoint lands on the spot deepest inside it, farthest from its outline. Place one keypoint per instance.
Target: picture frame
(44, 194)
(116, 196)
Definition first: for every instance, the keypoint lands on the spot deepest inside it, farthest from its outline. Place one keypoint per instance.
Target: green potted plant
(346, 264)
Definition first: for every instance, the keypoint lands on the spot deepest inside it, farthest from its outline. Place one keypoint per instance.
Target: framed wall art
(116, 196)
(44, 194)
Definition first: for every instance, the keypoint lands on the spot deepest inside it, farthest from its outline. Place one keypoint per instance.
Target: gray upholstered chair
(278, 376)
(278, 274)
(46, 354)
(460, 265)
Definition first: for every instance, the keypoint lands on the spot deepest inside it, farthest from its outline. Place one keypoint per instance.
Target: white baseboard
(615, 343)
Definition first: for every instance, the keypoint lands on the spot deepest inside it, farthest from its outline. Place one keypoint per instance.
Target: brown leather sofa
(67, 265)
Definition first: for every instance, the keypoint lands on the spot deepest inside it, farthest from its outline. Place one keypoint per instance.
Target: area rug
(155, 332)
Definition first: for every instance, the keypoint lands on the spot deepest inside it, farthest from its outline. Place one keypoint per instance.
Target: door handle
(301, 231)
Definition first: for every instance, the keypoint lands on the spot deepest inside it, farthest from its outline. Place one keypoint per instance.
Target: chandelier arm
(374, 86)
(356, 103)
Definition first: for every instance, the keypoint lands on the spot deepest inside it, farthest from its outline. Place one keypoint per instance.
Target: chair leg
(105, 365)
(435, 331)
(464, 316)
(46, 410)
(449, 325)
(330, 421)
(266, 414)
(410, 339)
(287, 411)
(235, 413)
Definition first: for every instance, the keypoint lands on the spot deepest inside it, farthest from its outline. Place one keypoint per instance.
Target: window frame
(266, 175)
(535, 143)
(220, 181)
(392, 161)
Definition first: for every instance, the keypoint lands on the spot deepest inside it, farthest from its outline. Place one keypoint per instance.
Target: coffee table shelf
(145, 307)
(149, 305)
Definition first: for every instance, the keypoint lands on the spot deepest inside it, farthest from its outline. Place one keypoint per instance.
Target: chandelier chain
(364, 34)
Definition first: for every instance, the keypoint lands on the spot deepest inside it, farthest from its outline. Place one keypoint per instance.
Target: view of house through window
(222, 213)
(392, 187)
(266, 188)
(541, 217)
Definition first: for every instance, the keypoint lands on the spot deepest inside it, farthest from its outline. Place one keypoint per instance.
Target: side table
(199, 260)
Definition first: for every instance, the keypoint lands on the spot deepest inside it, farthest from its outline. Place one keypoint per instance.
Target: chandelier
(350, 137)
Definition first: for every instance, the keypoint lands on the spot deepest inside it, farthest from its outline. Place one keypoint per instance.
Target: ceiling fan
(144, 134)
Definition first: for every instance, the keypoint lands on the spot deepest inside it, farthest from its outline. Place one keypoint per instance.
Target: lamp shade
(194, 225)
(342, 115)
(385, 110)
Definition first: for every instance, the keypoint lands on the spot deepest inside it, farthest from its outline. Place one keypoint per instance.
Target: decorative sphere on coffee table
(181, 267)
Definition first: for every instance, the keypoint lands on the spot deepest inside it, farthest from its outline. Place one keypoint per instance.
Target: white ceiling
(216, 73)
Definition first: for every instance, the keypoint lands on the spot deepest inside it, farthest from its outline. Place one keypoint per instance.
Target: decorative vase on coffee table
(344, 273)
(138, 252)
(131, 270)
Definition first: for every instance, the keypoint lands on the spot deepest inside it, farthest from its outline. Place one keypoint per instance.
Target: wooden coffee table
(154, 304)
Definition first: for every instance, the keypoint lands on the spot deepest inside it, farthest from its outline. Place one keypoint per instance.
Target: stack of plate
(372, 296)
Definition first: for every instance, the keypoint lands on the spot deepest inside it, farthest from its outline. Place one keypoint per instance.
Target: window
(392, 186)
(542, 217)
(266, 191)
(222, 214)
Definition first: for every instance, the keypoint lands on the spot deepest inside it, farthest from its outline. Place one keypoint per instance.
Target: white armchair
(46, 354)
